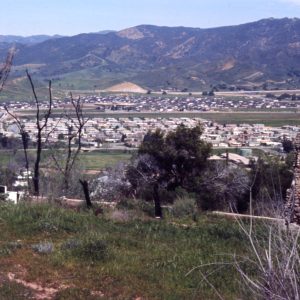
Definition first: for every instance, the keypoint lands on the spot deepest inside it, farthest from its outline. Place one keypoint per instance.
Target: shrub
(71, 244)
(88, 247)
(120, 215)
(95, 249)
(184, 206)
(127, 203)
(146, 207)
(137, 205)
(3, 197)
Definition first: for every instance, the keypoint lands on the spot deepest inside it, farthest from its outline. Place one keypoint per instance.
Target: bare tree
(75, 131)
(41, 125)
(24, 138)
(4, 72)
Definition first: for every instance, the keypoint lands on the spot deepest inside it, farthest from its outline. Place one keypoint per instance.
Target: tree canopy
(169, 161)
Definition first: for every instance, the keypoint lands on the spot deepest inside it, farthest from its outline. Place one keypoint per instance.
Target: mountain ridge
(261, 54)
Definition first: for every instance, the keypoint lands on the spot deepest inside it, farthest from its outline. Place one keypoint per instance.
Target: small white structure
(11, 195)
(22, 179)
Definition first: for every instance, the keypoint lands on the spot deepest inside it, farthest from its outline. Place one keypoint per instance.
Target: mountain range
(263, 54)
(34, 39)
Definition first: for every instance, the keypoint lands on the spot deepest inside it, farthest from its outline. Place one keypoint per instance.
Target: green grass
(95, 160)
(99, 160)
(145, 258)
(272, 118)
(275, 119)
(5, 157)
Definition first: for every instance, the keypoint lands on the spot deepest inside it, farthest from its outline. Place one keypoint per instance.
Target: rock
(43, 248)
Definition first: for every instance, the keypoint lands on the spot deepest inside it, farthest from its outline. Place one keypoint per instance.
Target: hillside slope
(263, 54)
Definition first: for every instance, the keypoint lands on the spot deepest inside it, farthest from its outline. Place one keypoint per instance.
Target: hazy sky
(69, 17)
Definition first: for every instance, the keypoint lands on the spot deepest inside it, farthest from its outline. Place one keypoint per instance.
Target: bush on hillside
(87, 247)
(184, 206)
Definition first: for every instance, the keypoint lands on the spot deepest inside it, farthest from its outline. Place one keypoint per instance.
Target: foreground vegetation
(122, 254)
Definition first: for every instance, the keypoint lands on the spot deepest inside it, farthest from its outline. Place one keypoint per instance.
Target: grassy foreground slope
(102, 258)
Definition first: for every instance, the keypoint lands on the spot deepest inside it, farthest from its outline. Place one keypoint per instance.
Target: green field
(270, 119)
(99, 160)
(95, 160)
(267, 118)
(6, 157)
(141, 258)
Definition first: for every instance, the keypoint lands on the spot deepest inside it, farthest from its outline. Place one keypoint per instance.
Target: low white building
(12, 196)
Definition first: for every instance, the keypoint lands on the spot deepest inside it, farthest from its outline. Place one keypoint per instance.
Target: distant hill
(34, 39)
(263, 54)
(126, 87)
(105, 31)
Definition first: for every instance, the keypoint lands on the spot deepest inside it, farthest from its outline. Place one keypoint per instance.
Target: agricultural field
(238, 117)
(275, 119)
(267, 118)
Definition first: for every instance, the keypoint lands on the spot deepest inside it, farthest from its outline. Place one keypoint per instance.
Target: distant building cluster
(151, 103)
(125, 132)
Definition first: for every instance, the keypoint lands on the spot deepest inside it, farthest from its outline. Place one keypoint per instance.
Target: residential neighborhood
(168, 103)
(129, 131)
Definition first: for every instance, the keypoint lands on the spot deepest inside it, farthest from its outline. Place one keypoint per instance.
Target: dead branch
(75, 130)
(24, 138)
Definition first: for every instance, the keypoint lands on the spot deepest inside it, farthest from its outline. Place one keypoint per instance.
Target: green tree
(287, 145)
(169, 161)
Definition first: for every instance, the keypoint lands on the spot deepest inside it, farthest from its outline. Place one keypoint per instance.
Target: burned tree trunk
(85, 187)
(36, 177)
(41, 124)
(157, 204)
